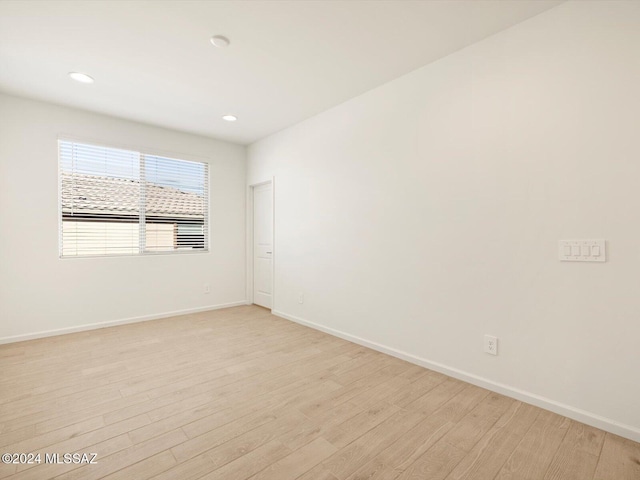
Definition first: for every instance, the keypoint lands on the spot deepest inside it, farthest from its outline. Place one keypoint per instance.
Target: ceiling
(288, 60)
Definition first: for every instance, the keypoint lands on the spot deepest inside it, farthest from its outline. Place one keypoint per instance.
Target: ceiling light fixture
(229, 118)
(220, 41)
(81, 77)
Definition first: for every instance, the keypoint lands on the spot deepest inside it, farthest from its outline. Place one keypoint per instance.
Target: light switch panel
(582, 250)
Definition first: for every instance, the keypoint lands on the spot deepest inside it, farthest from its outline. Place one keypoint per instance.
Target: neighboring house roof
(99, 196)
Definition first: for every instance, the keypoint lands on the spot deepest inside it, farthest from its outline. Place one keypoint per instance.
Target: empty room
(320, 239)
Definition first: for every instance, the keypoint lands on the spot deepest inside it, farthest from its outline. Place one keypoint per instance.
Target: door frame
(249, 241)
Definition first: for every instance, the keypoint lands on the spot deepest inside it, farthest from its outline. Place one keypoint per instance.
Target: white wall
(426, 213)
(40, 292)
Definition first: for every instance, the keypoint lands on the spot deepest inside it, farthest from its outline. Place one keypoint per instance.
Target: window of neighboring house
(123, 202)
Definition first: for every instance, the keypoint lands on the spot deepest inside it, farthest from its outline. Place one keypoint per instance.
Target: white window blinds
(123, 202)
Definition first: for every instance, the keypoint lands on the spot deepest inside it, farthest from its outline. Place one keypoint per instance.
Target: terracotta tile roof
(98, 195)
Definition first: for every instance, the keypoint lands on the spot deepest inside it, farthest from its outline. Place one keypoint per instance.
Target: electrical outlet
(301, 298)
(206, 288)
(491, 345)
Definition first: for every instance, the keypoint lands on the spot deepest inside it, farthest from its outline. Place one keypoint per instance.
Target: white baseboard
(577, 414)
(111, 323)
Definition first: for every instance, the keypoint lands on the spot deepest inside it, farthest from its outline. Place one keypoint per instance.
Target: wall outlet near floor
(206, 288)
(491, 345)
(301, 298)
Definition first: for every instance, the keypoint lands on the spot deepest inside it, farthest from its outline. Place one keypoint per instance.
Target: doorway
(261, 248)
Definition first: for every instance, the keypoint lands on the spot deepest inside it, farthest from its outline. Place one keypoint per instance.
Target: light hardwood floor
(240, 394)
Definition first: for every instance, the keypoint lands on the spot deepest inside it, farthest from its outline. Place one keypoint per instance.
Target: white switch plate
(582, 250)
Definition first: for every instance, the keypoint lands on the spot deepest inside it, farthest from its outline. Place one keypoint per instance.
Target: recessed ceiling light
(81, 77)
(220, 41)
(229, 118)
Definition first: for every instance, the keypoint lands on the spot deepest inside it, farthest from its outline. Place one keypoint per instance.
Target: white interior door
(262, 244)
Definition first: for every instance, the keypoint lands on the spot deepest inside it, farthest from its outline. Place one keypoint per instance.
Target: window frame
(141, 151)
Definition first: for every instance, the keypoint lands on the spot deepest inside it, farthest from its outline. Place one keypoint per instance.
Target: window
(123, 202)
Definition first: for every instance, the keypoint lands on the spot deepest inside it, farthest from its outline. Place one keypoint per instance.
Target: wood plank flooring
(240, 394)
